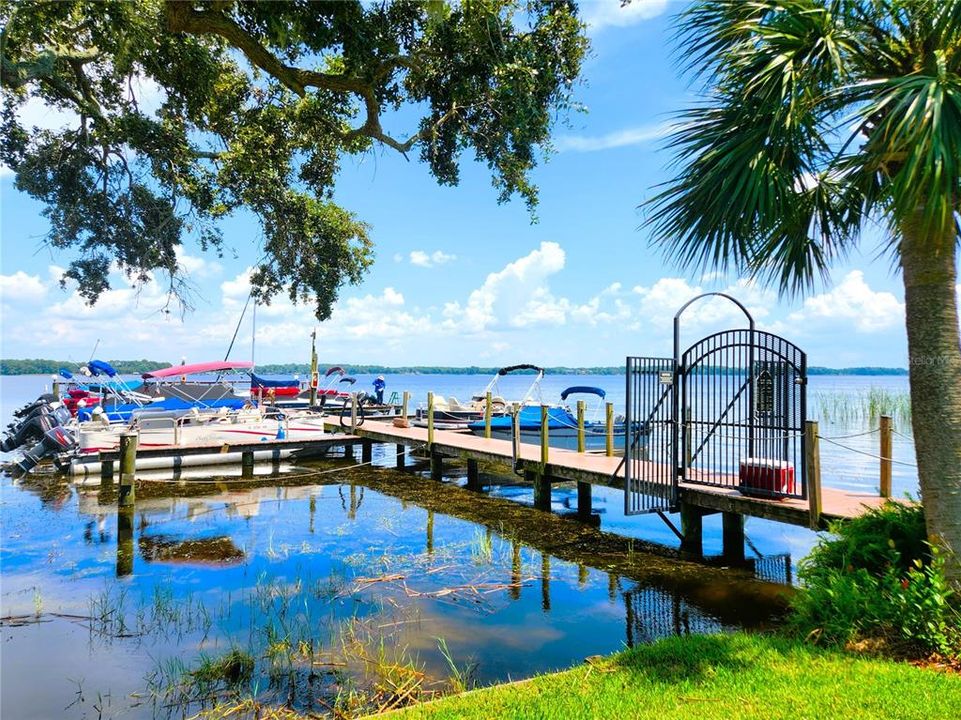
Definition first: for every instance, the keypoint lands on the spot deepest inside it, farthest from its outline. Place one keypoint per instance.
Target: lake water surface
(357, 587)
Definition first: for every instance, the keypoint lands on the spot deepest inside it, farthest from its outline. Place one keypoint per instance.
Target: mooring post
(609, 421)
(128, 469)
(430, 419)
(812, 480)
(732, 529)
(353, 413)
(55, 388)
(580, 426)
(516, 435)
(692, 530)
(473, 476)
(405, 404)
(366, 451)
(106, 474)
(886, 451)
(584, 501)
(487, 415)
(401, 456)
(545, 437)
(247, 464)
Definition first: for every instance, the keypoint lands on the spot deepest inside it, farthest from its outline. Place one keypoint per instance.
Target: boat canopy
(335, 369)
(99, 367)
(530, 419)
(65, 374)
(583, 389)
(348, 380)
(196, 368)
(514, 368)
(273, 382)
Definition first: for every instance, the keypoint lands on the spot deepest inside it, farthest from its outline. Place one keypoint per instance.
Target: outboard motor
(44, 399)
(34, 426)
(55, 440)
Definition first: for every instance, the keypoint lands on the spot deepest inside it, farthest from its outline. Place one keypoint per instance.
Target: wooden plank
(599, 469)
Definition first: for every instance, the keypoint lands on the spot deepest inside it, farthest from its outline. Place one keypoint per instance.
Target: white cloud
(427, 260)
(618, 138)
(197, 265)
(21, 288)
(517, 296)
(853, 302)
(612, 13)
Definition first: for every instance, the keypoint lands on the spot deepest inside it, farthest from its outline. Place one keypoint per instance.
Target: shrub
(875, 577)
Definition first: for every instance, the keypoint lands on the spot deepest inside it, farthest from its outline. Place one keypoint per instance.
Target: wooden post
(436, 466)
(580, 427)
(473, 476)
(516, 435)
(55, 388)
(128, 469)
(584, 501)
(401, 456)
(542, 490)
(545, 436)
(366, 451)
(692, 530)
(405, 405)
(812, 464)
(247, 464)
(106, 474)
(353, 413)
(732, 529)
(609, 412)
(886, 451)
(430, 419)
(487, 415)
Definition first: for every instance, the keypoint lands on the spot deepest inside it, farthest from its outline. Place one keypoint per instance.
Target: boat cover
(274, 382)
(99, 367)
(125, 412)
(195, 368)
(530, 419)
(583, 389)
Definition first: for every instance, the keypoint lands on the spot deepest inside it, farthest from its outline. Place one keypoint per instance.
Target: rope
(845, 437)
(862, 452)
(901, 434)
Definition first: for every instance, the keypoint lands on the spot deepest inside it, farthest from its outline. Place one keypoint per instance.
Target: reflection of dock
(598, 469)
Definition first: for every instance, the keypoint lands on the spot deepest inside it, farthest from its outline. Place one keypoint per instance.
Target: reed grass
(864, 406)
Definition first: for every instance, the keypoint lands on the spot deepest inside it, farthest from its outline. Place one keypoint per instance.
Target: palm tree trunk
(934, 351)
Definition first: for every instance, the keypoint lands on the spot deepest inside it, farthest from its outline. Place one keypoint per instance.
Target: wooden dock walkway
(599, 469)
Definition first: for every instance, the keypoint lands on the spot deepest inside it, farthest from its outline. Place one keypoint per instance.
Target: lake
(359, 588)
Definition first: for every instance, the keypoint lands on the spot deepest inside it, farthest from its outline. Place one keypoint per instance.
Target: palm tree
(818, 118)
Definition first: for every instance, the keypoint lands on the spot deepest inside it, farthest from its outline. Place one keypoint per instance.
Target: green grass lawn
(719, 676)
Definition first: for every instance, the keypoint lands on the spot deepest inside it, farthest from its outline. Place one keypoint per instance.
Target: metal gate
(650, 477)
(729, 411)
(743, 402)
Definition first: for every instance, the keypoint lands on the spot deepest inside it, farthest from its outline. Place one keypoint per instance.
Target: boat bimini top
(534, 389)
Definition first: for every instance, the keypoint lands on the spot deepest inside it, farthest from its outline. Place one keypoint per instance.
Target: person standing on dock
(379, 385)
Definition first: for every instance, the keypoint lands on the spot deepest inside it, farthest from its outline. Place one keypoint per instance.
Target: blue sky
(460, 279)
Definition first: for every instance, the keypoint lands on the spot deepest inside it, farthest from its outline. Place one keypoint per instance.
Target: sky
(461, 280)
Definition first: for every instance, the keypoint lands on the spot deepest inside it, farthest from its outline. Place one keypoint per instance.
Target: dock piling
(732, 529)
(106, 474)
(473, 476)
(430, 419)
(542, 489)
(125, 551)
(401, 456)
(545, 436)
(353, 413)
(405, 405)
(609, 422)
(584, 501)
(128, 468)
(366, 451)
(580, 426)
(886, 450)
(436, 466)
(812, 464)
(692, 530)
(247, 464)
(487, 415)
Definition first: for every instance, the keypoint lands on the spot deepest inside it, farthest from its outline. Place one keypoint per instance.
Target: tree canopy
(254, 105)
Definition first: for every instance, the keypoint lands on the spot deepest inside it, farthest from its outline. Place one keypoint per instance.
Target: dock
(592, 468)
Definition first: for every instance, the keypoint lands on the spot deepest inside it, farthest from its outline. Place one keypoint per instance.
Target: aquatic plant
(866, 406)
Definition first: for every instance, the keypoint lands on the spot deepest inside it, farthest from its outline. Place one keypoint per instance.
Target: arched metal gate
(729, 411)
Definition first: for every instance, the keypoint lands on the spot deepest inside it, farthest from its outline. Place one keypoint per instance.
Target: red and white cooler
(764, 477)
